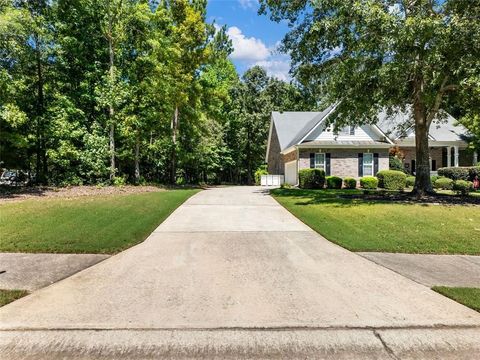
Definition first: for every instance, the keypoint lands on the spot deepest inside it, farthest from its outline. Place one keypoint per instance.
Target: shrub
(334, 182)
(460, 173)
(395, 163)
(369, 182)
(262, 170)
(462, 187)
(473, 171)
(410, 182)
(349, 183)
(443, 183)
(285, 186)
(311, 178)
(391, 179)
(434, 178)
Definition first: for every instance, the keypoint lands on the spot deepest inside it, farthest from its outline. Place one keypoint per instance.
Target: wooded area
(115, 91)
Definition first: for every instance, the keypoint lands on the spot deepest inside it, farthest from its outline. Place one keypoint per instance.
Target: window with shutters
(320, 161)
(367, 164)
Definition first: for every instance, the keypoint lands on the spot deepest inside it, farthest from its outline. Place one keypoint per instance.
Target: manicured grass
(91, 224)
(467, 296)
(7, 296)
(363, 225)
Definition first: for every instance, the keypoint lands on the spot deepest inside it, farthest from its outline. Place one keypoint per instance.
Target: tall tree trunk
(111, 110)
(41, 158)
(174, 126)
(137, 159)
(423, 184)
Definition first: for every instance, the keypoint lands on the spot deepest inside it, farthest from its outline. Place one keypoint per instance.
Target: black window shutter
(312, 160)
(375, 163)
(327, 164)
(360, 164)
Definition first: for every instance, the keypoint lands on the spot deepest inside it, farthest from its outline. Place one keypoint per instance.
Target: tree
(384, 54)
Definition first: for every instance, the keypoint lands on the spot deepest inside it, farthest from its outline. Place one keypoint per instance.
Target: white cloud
(247, 48)
(276, 67)
(248, 4)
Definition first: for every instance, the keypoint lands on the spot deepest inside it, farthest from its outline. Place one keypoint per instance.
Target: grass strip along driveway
(91, 224)
(364, 225)
(467, 296)
(7, 296)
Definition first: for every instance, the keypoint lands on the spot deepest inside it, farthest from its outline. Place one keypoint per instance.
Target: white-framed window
(367, 164)
(320, 161)
(348, 131)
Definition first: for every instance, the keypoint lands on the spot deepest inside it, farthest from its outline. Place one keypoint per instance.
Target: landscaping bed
(13, 193)
(373, 222)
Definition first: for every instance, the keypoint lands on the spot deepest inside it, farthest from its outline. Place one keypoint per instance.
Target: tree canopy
(373, 55)
(128, 90)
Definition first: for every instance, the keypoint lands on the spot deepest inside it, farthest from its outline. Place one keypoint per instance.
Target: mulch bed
(437, 199)
(10, 193)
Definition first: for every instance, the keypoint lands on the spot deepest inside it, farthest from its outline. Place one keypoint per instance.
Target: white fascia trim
(269, 137)
(383, 134)
(316, 126)
(288, 150)
(333, 146)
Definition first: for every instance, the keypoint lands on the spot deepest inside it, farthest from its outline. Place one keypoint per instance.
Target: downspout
(298, 165)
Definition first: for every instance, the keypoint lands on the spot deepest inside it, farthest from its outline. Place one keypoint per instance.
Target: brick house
(300, 140)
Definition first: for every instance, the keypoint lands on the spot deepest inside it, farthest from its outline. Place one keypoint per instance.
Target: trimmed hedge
(350, 183)
(443, 183)
(466, 173)
(410, 182)
(369, 182)
(311, 178)
(334, 182)
(462, 187)
(391, 179)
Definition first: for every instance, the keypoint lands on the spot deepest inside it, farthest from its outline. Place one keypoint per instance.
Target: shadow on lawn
(349, 198)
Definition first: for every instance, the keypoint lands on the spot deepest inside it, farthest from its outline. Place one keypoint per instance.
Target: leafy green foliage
(368, 56)
(391, 179)
(395, 163)
(350, 183)
(444, 183)
(262, 170)
(410, 181)
(311, 178)
(462, 187)
(333, 182)
(467, 173)
(369, 182)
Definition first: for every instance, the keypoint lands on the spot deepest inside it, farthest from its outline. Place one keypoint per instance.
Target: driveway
(231, 273)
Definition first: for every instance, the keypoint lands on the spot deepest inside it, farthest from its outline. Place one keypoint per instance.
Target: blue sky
(254, 37)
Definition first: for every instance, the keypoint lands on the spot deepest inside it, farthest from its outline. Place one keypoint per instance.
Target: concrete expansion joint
(385, 346)
(252, 329)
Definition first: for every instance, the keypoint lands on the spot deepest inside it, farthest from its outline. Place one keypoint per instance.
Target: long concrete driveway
(232, 274)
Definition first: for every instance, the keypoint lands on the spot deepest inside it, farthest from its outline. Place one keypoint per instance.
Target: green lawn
(467, 296)
(361, 225)
(93, 224)
(7, 296)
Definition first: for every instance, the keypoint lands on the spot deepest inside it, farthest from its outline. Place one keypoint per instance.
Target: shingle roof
(292, 126)
(400, 125)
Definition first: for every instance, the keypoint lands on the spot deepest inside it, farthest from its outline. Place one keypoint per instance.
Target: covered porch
(441, 155)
